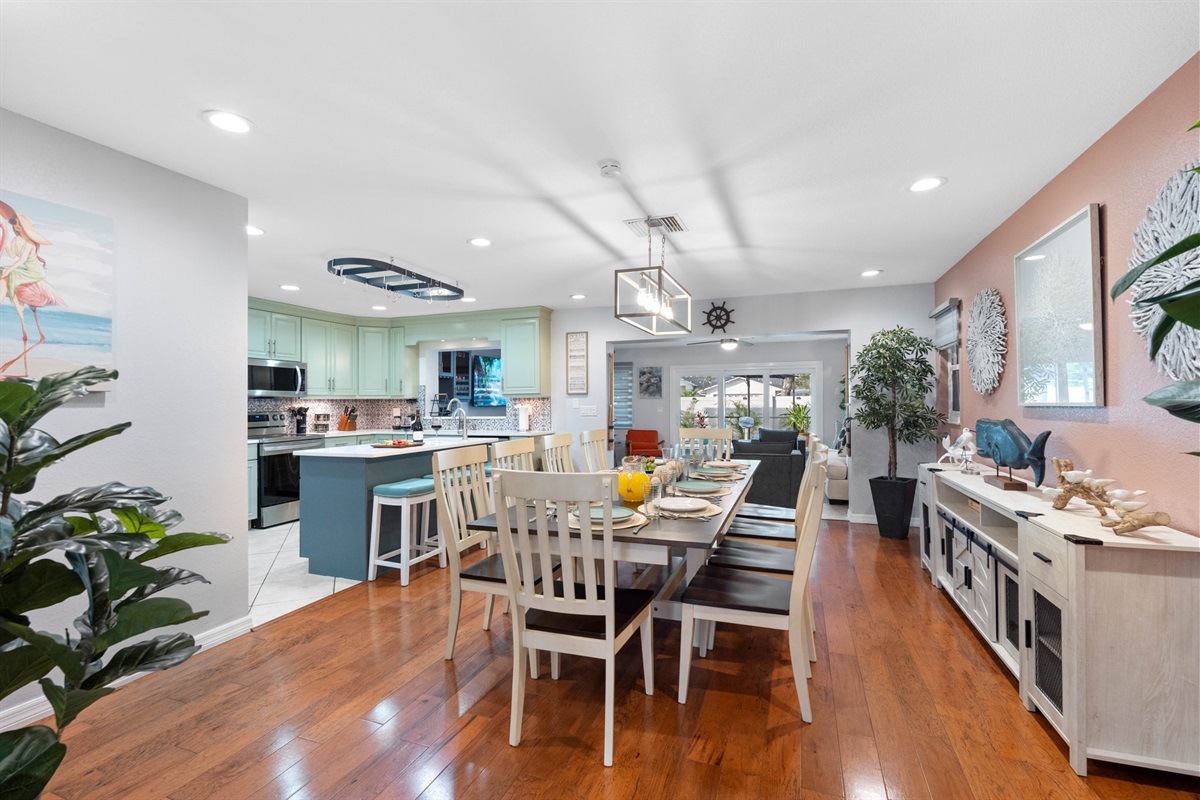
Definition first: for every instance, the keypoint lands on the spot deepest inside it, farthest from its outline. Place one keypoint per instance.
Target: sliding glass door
(720, 397)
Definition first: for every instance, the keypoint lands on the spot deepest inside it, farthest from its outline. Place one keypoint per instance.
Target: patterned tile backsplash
(377, 414)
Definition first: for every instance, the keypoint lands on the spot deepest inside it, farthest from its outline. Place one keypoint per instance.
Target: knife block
(346, 423)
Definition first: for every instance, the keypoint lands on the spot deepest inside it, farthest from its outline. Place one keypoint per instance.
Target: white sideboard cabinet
(1101, 630)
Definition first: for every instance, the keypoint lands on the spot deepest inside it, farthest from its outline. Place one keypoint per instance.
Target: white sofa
(837, 478)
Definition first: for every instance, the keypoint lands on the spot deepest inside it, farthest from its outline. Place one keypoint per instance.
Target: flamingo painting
(78, 331)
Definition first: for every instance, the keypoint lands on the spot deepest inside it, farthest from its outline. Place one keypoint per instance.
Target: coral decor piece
(1174, 216)
(1095, 492)
(987, 340)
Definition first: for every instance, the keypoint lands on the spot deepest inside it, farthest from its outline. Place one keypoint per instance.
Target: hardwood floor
(350, 698)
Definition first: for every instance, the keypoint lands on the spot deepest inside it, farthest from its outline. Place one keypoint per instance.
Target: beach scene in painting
(56, 287)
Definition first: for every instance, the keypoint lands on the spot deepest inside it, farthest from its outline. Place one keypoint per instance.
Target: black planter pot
(893, 505)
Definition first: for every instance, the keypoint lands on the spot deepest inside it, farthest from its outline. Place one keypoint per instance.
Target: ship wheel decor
(987, 340)
(717, 317)
(1174, 215)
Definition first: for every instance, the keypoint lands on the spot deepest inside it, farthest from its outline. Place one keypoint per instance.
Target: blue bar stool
(409, 495)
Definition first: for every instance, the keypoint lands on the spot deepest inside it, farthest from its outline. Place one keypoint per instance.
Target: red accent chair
(643, 443)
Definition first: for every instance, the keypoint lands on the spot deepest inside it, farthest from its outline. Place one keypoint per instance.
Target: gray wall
(861, 312)
(179, 338)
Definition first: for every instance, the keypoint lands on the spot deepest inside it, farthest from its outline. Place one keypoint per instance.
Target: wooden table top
(664, 532)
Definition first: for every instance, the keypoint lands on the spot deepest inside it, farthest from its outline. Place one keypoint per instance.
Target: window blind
(622, 394)
(945, 324)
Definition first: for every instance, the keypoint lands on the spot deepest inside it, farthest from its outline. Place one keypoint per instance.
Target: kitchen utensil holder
(347, 423)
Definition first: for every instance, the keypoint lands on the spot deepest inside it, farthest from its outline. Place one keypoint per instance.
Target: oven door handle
(283, 448)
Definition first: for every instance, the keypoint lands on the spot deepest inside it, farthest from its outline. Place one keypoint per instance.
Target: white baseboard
(869, 519)
(36, 708)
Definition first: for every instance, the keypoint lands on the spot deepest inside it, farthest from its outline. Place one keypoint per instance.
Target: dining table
(674, 547)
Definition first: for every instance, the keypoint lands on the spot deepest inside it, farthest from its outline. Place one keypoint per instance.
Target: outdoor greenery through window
(724, 398)
(622, 394)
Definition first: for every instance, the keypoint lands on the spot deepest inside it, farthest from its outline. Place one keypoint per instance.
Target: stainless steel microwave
(267, 377)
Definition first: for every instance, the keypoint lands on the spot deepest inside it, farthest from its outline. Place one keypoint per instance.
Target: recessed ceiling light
(468, 299)
(729, 344)
(479, 242)
(254, 230)
(578, 296)
(289, 287)
(925, 184)
(1037, 257)
(227, 121)
(870, 273)
(379, 308)
(1086, 326)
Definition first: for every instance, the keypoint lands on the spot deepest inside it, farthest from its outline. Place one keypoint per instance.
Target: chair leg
(712, 634)
(647, 633)
(702, 636)
(437, 530)
(610, 679)
(487, 611)
(518, 693)
(455, 609)
(533, 663)
(687, 623)
(406, 525)
(373, 552)
(555, 663)
(796, 646)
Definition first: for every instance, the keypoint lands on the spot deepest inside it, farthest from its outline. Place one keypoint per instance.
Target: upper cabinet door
(402, 365)
(342, 349)
(316, 355)
(259, 334)
(524, 353)
(373, 363)
(285, 335)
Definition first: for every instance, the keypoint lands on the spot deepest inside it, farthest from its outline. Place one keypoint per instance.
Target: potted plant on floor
(96, 541)
(891, 379)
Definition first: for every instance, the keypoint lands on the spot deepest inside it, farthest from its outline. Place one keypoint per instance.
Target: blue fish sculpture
(1006, 444)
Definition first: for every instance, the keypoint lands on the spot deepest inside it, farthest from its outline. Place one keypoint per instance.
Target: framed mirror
(1057, 318)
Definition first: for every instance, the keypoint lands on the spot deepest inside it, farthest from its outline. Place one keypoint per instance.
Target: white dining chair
(513, 454)
(594, 445)
(556, 453)
(715, 443)
(585, 613)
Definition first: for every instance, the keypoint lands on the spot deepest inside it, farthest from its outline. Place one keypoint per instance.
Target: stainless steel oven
(267, 377)
(279, 479)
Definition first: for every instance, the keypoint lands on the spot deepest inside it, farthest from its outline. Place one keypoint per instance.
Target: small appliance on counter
(300, 413)
(320, 423)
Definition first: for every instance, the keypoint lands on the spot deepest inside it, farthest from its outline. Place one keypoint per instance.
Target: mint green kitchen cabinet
(374, 364)
(402, 365)
(329, 351)
(271, 335)
(525, 357)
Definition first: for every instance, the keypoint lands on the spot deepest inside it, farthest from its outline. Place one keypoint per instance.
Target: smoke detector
(609, 168)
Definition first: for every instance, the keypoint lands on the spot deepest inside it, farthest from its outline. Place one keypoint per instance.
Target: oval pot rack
(391, 278)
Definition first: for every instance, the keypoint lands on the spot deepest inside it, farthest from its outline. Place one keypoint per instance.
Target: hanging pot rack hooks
(392, 279)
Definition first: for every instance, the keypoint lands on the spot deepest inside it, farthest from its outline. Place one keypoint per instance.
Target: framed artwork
(1057, 320)
(577, 363)
(56, 288)
(650, 382)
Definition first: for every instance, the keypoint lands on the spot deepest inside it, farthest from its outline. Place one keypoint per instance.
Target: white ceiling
(783, 134)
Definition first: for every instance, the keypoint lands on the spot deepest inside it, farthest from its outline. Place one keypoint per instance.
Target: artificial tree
(891, 379)
(106, 534)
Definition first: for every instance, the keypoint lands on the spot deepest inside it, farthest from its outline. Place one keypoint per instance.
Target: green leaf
(1159, 334)
(168, 577)
(125, 574)
(82, 525)
(1125, 281)
(38, 585)
(137, 522)
(1179, 400)
(20, 667)
(1185, 309)
(37, 450)
(68, 704)
(91, 500)
(28, 759)
(63, 655)
(161, 652)
(53, 390)
(175, 542)
(13, 397)
(146, 615)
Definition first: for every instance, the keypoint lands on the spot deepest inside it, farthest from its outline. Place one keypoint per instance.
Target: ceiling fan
(726, 344)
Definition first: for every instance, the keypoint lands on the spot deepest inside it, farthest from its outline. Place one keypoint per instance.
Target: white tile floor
(279, 578)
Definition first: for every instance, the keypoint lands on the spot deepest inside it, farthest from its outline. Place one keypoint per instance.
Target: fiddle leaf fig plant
(890, 380)
(107, 535)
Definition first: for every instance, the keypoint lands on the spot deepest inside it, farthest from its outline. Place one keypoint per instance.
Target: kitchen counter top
(504, 434)
(366, 451)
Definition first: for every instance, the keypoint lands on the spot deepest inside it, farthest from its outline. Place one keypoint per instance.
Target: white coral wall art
(987, 340)
(1174, 215)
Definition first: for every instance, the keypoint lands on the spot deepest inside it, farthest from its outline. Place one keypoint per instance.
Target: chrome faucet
(458, 410)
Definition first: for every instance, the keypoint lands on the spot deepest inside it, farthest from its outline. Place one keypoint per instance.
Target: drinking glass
(651, 494)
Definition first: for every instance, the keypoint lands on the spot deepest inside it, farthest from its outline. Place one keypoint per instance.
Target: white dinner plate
(683, 505)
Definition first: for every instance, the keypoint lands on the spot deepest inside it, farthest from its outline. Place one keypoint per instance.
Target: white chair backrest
(462, 497)
(513, 454)
(716, 442)
(529, 535)
(556, 453)
(806, 543)
(594, 445)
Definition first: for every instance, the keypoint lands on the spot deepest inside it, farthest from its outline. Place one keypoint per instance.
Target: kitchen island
(335, 500)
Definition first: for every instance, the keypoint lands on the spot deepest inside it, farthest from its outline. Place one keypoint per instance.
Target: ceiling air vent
(667, 224)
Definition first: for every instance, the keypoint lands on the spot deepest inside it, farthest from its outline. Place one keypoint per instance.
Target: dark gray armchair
(782, 458)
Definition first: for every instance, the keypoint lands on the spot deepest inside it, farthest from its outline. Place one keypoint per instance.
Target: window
(622, 394)
(945, 339)
(721, 397)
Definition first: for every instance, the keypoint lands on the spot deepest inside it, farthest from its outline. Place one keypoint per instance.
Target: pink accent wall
(1140, 446)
